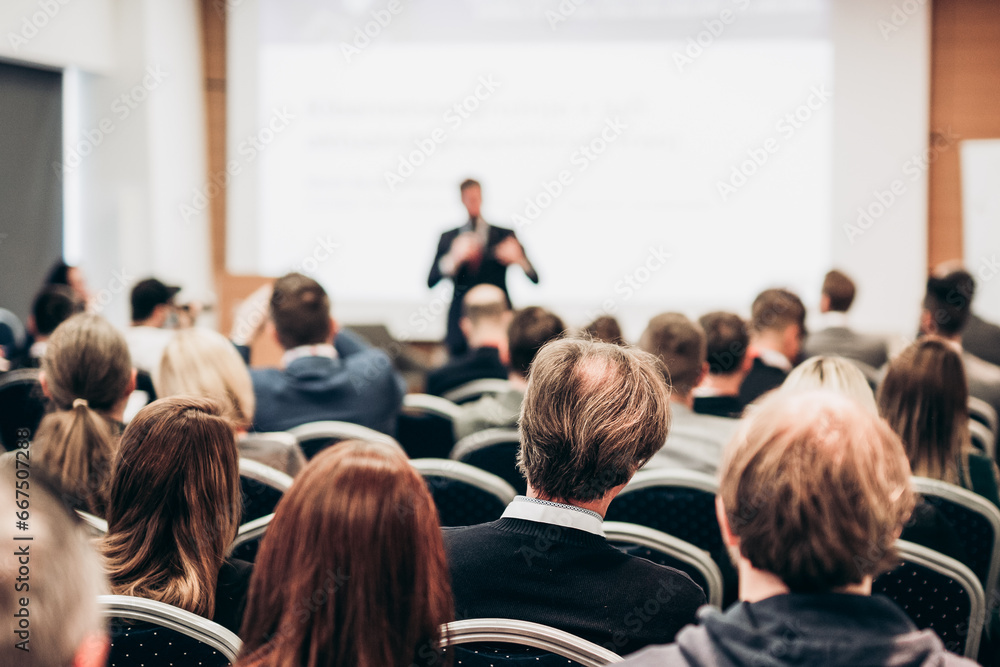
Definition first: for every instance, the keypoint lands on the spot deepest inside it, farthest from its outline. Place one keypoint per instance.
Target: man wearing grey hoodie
(814, 492)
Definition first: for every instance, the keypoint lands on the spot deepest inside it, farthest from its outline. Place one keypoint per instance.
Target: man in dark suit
(593, 414)
(982, 339)
(727, 341)
(836, 338)
(327, 373)
(486, 315)
(473, 254)
(777, 327)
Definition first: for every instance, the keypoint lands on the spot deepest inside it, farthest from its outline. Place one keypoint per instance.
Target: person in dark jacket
(814, 492)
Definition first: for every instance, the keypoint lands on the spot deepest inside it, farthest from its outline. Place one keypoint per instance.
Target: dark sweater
(760, 380)
(568, 579)
(478, 364)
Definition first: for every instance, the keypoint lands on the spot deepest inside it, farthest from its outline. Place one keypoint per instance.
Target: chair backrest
(983, 412)
(22, 406)
(248, 538)
(983, 439)
(493, 450)
(551, 646)
(278, 450)
(96, 526)
(668, 550)
(937, 593)
(426, 426)
(975, 520)
(144, 628)
(262, 488)
(464, 495)
(470, 391)
(317, 436)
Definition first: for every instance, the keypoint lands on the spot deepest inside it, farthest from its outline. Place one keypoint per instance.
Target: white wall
(60, 33)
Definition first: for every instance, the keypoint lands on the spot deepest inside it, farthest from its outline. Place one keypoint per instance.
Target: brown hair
(817, 491)
(529, 330)
(680, 344)
(300, 309)
(727, 340)
(468, 183)
(174, 505)
(840, 290)
(605, 329)
(370, 585)
(924, 397)
(88, 372)
(948, 299)
(777, 309)
(592, 415)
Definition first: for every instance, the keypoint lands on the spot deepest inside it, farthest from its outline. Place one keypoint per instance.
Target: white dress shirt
(558, 514)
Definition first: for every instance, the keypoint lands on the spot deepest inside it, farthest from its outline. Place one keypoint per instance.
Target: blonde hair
(201, 362)
(817, 490)
(833, 373)
(87, 372)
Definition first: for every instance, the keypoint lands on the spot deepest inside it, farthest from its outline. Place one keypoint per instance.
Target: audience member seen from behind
(834, 373)
(203, 363)
(62, 273)
(593, 414)
(695, 441)
(836, 337)
(153, 323)
(174, 508)
(777, 327)
(726, 351)
(327, 374)
(52, 306)
(530, 329)
(373, 566)
(51, 617)
(87, 376)
(486, 315)
(925, 400)
(606, 330)
(814, 492)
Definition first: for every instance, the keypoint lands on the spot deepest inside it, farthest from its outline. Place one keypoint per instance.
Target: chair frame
(463, 472)
(482, 439)
(986, 411)
(988, 437)
(915, 553)
(672, 477)
(172, 618)
(265, 474)
(19, 376)
(476, 388)
(342, 430)
(94, 523)
(971, 501)
(251, 530)
(525, 633)
(620, 531)
(432, 405)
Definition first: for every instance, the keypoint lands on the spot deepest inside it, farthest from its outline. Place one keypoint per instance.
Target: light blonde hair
(833, 373)
(201, 362)
(817, 490)
(88, 372)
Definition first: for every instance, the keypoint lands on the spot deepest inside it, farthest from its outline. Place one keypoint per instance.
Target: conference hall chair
(983, 412)
(22, 406)
(279, 450)
(937, 593)
(504, 642)
(471, 391)
(495, 451)
(982, 439)
(148, 633)
(426, 426)
(667, 550)
(464, 495)
(262, 488)
(314, 437)
(248, 539)
(96, 526)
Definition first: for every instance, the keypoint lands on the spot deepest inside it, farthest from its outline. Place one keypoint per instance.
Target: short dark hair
(840, 291)
(949, 300)
(54, 305)
(776, 309)
(147, 295)
(531, 328)
(606, 329)
(468, 183)
(300, 309)
(680, 345)
(727, 337)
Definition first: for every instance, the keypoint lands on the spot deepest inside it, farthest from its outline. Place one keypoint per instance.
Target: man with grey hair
(51, 577)
(593, 414)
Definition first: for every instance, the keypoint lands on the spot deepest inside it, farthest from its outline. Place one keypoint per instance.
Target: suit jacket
(760, 380)
(568, 579)
(842, 342)
(489, 271)
(478, 364)
(983, 379)
(719, 406)
(360, 387)
(982, 339)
